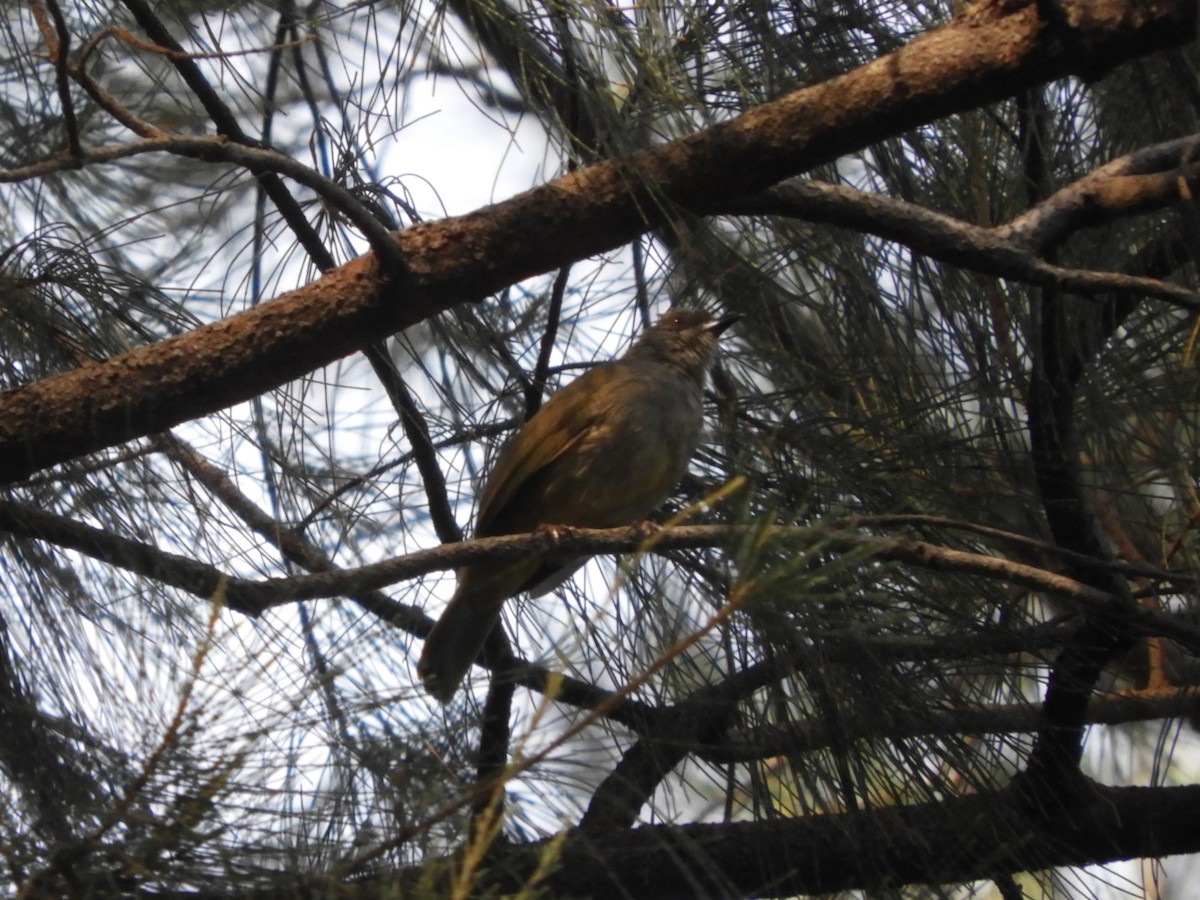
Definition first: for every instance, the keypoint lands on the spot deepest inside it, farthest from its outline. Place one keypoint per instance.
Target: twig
(537, 386)
(58, 46)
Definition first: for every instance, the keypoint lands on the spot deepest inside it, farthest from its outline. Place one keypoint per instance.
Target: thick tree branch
(1065, 343)
(951, 841)
(989, 53)
(371, 221)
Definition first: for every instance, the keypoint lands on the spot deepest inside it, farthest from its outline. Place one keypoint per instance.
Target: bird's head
(684, 338)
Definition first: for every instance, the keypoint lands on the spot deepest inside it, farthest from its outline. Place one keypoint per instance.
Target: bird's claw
(645, 529)
(554, 532)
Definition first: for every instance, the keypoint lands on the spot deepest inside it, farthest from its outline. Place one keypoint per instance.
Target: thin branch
(255, 597)
(495, 734)
(1182, 580)
(1007, 718)
(125, 37)
(1005, 252)
(420, 443)
(227, 124)
(58, 45)
(537, 385)
(1149, 178)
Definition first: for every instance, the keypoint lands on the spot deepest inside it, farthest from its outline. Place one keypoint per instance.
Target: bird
(603, 451)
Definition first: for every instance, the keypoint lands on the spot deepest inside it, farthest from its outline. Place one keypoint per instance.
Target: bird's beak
(716, 326)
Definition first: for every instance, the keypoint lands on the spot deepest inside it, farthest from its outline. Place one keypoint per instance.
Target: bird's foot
(554, 533)
(646, 529)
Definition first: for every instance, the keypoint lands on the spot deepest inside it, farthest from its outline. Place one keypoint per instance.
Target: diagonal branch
(986, 54)
(697, 722)
(1012, 251)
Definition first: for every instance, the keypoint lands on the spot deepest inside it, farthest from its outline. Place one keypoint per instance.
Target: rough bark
(995, 50)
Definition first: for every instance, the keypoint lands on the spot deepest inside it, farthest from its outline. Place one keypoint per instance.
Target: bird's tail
(454, 643)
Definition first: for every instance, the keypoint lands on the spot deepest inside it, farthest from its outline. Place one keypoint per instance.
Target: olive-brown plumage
(604, 451)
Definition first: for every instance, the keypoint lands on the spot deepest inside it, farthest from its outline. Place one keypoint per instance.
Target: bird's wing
(553, 431)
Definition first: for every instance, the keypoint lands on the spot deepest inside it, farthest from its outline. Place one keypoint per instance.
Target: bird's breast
(630, 457)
